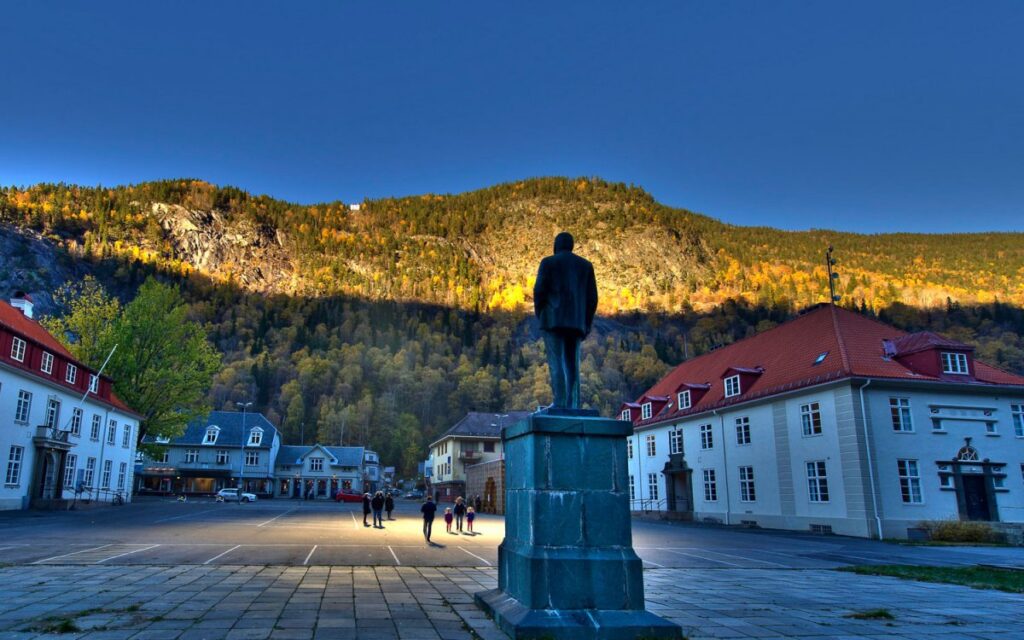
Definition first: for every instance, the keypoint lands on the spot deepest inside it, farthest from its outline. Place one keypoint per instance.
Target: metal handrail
(648, 505)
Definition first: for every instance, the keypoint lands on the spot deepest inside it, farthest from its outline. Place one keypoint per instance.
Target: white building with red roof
(831, 422)
(64, 433)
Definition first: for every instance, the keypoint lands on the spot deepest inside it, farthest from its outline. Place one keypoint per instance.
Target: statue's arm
(540, 290)
(591, 298)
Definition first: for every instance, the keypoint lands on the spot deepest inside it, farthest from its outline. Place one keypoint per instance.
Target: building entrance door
(976, 498)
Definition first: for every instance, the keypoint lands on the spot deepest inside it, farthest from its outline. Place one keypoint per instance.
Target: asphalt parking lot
(285, 532)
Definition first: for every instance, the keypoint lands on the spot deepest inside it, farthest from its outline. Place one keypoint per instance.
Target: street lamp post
(241, 464)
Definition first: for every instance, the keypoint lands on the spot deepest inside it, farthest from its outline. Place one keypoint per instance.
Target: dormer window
(625, 415)
(732, 386)
(683, 399)
(94, 383)
(211, 434)
(18, 350)
(46, 366)
(955, 363)
(255, 437)
(645, 411)
(71, 375)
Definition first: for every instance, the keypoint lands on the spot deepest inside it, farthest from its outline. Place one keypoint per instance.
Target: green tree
(87, 321)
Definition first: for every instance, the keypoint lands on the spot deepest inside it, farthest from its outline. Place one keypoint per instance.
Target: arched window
(967, 453)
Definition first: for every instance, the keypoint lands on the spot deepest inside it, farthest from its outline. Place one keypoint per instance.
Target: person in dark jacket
(378, 507)
(428, 509)
(565, 301)
(366, 508)
(389, 505)
(460, 513)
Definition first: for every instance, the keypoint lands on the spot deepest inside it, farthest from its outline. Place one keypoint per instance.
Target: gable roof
(853, 344)
(231, 432)
(342, 456)
(476, 424)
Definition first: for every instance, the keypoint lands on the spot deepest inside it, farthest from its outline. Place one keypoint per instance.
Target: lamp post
(241, 464)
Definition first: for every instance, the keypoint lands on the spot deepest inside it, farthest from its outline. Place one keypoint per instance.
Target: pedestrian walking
(460, 512)
(470, 516)
(428, 510)
(366, 508)
(389, 505)
(378, 507)
(448, 519)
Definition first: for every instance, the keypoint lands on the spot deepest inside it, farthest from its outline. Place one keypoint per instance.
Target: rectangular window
(256, 437)
(71, 375)
(732, 386)
(743, 430)
(652, 486)
(112, 432)
(126, 439)
(707, 440)
(164, 457)
(1017, 415)
(70, 468)
(46, 366)
(122, 471)
(683, 399)
(675, 441)
(252, 458)
(710, 486)
(747, 492)
(645, 411)
(222, 456)
(14, 458)
(105, 478)
(810, 418)
(955, 363)
(90, 471)
(76, 421)
(652, 448)
(18, 350)
(94, 383)
(24, 408)
(211, 435)
(900, 410)
(94, 431)
(191, 456)
(52, 413)
(910, 481)
(946, 481)
(629, 448)
(625, 415)
(817, 481)
(488, 447)
(316, 464)
(632, 487)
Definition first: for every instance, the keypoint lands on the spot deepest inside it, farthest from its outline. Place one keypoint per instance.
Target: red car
(348, 496)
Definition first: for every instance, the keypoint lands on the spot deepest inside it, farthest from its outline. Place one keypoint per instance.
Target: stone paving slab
(252, 602)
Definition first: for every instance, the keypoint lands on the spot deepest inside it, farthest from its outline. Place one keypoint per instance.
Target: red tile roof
(915, 342)
(853, 344)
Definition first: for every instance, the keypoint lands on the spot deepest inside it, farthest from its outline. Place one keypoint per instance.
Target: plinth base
(573, 624)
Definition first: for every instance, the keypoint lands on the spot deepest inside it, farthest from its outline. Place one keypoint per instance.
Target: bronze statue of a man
(565, 300)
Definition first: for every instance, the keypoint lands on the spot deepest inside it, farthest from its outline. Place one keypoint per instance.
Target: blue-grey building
(318, 471)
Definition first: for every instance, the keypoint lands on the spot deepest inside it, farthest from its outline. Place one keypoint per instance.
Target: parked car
(233, 495)
(348, 496)
(414, 495)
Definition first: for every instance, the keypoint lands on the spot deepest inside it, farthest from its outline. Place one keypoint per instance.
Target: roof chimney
(23, 302)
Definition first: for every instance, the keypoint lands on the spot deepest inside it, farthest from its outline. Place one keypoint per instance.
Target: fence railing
(648, 505)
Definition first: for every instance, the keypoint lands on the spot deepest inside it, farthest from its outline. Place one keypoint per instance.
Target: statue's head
(563, 242)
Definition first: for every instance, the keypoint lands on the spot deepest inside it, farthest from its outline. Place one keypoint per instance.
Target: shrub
(961, 531)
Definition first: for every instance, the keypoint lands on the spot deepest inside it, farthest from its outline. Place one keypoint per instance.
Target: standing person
(479, 502)
(460, 512)
(448, 519)
(366, 508)
(470, 516)
(378, 506)
(428, 510)
(389, 505)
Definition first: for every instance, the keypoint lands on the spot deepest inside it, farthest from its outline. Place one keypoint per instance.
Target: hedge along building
(831, 422)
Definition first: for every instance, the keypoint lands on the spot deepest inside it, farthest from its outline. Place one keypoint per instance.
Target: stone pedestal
(567, 568)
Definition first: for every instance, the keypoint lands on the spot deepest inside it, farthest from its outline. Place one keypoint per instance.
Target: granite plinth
(566, 568)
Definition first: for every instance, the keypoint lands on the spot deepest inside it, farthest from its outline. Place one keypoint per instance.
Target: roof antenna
(832, 276)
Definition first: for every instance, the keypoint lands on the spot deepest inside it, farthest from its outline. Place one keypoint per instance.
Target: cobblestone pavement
(246, 602)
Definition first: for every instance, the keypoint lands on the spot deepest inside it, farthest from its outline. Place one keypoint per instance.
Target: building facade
(474, 439)
(832, 422)
(318, 472)
(64, 433)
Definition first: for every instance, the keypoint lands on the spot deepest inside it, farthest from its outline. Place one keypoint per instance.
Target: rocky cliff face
(32, 263)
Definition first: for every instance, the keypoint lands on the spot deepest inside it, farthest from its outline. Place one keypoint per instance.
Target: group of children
(461, 511)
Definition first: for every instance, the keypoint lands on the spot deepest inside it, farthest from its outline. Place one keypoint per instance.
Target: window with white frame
(18, 350)
(652, 486)
(252, 458)
(998, 477)
(70, 468)
(743, 430)
(71, 374)
(94, 431)
(76, 421)
(23, 408)
(747, 491)
(94, 383)
(652, 448)
(675, 440)
(707, 440)
(222, 456)
(645, 411)
(126, 438)
(52, 413)
(990, 427)
(632, 487)
(629, 448)
(946, 481)
(112, 432)
(46, 366)
(732, 386)
(105, 478)
(211, 434)
(710, 486)
(817, 481)
(122, 471)
(955, 363)
(316, 464)
(810, 418)
(90, 472)
(910, 481)
(14, 460)
(255, 437)
(625, 415)
(900, 410)
(1017, 415)
(164, 457)
(683, 399)
(191, 456)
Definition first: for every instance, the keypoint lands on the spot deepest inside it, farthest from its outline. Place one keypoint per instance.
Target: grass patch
(871, 614)
(975, 577)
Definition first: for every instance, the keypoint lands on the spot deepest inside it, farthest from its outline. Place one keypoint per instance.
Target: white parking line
(653, 564)
(185, 515)
(263, 524)
(693, 555)
(355, 523)
(397, 561)
(72, 553)
(477, 557)
(311, 551)
(730, 555)
(222, 554)
(153, 546)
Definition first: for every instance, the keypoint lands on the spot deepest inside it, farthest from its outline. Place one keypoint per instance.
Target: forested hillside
(385, 325)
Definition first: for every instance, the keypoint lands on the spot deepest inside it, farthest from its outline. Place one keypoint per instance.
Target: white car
(231, 495)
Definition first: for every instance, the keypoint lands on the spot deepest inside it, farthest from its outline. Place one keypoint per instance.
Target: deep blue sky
(859, 116)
